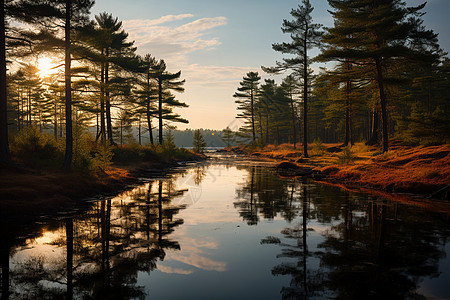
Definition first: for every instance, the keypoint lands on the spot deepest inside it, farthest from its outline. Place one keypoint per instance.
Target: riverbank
(30, 193)
(417, 170)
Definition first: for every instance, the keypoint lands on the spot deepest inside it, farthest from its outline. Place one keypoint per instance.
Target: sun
(46, 66)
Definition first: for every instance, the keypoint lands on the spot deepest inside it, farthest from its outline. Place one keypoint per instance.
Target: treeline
(105, 83)
(390, 80)
(181, 138)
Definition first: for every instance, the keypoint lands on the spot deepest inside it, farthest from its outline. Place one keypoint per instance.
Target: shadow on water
(344, 245)
(94, 255)
(328, 242)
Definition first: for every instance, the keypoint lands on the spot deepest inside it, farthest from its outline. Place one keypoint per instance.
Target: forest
(101, 83)
(390, 79)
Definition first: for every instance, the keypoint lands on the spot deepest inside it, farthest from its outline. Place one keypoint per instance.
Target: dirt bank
(418, 170)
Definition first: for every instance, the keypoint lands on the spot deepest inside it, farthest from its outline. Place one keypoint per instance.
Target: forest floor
(403, 169)
(29, 193)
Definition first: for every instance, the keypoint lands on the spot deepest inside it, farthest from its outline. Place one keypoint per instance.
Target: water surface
(231, 230)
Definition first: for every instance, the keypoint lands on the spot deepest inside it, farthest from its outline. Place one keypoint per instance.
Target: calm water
(231, 230)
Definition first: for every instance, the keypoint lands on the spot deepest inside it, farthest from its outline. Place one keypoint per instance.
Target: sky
(216, 42)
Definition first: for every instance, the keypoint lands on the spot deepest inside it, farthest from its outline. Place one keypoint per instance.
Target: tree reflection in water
(265, 195)
(367, 248)
(332, 244)
(99, 254)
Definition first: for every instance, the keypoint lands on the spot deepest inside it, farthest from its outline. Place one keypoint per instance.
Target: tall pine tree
(372, 34)
(246, 95)
(304, 35)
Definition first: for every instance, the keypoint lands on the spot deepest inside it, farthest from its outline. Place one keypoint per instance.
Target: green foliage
(34, 148)
(130, 154)
(346, 157)
(82, 145)
(318, 148)
(246, 97)
(228, 136)
(103, 157)
(199, 142)
(424, 128)
(169, 142)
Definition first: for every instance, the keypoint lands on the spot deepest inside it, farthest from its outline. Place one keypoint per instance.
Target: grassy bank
(419, 170)
(30, 190)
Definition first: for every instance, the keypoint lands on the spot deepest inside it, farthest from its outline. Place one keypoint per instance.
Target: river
(230, 229)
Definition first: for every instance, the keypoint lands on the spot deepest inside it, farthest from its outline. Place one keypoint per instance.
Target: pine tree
(228, 136)
(167, 82)
(199, 142)
(28, 11)
(246, 94)
(372, 34)
(304, 35)
(5, 156)
(110, 39)
(291, 88)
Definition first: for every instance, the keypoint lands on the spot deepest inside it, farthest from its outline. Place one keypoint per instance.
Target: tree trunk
(108, 102)
(348, 124)
(29, 107)
(294, 131)
(18, 110)
(373, 139)
(97, 122)
(69, 138)
(121, 133)
(267, 126)
(139, 130)
(278, 135)
(102, 102)
(384, 124)
(260, 127)
(149, 124)
(253, 115)
(160, 112)
(55, 129)
(149, 117)
(305, 98)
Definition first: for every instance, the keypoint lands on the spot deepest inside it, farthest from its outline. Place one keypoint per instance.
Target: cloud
(217, 77)
(173, 38)
(164, 19)
(173, 42)
(170, 270)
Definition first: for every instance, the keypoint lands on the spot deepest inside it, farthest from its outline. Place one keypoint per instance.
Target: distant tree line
(390, 79)
(104, 83)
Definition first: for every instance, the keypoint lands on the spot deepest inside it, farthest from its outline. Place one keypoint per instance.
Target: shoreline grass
(421, 170)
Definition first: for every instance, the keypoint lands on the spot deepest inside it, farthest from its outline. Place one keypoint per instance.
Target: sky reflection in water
(235, 231)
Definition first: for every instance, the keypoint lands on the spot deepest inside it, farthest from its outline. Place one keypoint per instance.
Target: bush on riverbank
(36, 150)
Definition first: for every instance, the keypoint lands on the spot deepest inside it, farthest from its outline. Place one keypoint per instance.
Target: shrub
(82, 141)
(346, 157)
(34, 148)
(104, 155)
(169, 142)
(318, 148)
(128, 154)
